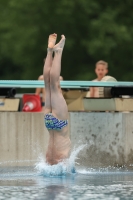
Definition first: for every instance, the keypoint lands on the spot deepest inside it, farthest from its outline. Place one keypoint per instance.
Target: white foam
(62, 168)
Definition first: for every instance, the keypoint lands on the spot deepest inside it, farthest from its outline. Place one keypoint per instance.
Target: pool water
(65, 181)
(28, 184)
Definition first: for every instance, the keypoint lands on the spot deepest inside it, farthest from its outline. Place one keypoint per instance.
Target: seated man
(101, 70)
(41, 91)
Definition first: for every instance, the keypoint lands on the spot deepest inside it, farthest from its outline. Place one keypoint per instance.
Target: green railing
(64, 84)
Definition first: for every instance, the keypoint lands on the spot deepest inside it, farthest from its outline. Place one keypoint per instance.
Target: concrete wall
(109, 138)
(23, 138)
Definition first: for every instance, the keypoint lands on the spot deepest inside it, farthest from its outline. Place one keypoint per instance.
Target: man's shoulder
(108, 78)
(95, 80)
(40, 77)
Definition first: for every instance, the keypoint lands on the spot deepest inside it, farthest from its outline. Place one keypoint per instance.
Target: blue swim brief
(52, 123)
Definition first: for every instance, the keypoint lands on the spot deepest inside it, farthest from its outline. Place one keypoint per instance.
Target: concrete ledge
(110, 104)
(109, 138)
(22, 138)
(105, 136)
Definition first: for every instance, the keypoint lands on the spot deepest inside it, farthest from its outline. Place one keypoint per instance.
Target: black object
(7, 92)
(118, 91)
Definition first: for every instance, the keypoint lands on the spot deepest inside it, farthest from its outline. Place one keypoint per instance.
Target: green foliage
(94, 29)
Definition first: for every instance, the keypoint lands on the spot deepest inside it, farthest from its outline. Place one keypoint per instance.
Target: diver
(56, 111)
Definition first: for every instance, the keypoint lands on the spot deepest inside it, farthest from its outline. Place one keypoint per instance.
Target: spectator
(101, 70)
(41, 91)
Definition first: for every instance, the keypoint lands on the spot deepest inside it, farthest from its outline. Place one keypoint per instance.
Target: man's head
(101, 69)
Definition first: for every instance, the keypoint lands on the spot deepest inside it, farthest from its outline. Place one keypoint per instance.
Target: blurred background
(94, 29)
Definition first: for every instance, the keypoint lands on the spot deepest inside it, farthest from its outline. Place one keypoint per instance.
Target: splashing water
(62, 168)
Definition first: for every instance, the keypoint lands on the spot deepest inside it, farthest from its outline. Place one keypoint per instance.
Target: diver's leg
(58, 103)
(46, 72)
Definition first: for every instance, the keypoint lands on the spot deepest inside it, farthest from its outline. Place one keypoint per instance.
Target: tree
(94, 30)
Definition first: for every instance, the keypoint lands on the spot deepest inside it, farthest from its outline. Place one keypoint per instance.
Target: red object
(32, 103)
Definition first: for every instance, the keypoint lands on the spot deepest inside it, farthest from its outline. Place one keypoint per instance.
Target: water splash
(62, 168)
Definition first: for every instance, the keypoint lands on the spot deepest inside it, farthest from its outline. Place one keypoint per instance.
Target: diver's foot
(52, 40)
(60, 45)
